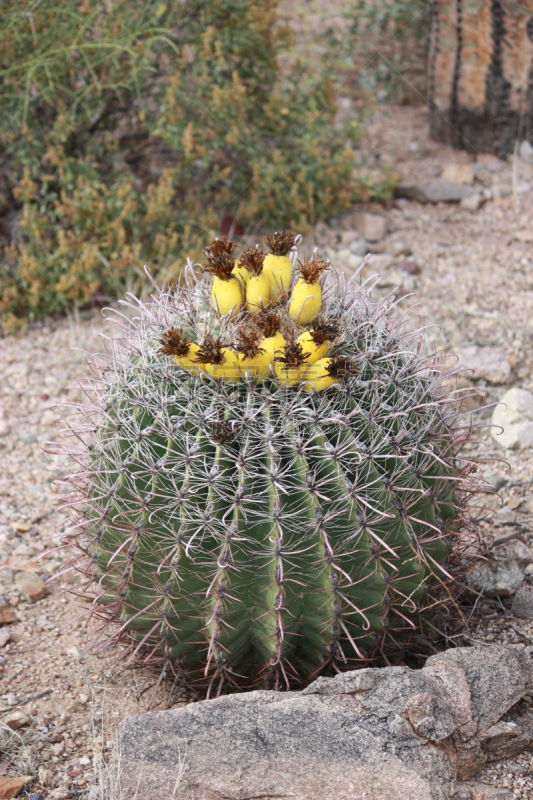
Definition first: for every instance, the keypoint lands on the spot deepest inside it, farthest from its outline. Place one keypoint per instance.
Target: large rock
(434, 190)
(512, 420)
(487, 363)
(374, 734)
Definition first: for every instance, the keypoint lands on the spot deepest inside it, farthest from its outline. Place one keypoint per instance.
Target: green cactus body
(254, 534)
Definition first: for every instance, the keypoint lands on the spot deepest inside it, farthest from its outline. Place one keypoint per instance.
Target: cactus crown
(268, 323)
(281, 242)
(292, 356)
(174, 343)
(255, 532)
(247, 342)
(310, 269)
(220, 258)
(211, 351)
(220, 247)
(252, 258)
(324, 330)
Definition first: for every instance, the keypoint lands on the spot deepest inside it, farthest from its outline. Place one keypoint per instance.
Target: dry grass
(20, 749)
(108, 755)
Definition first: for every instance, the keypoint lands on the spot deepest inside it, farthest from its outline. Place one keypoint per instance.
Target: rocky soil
(471, 266)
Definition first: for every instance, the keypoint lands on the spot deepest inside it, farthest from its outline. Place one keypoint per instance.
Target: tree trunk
(481, 74)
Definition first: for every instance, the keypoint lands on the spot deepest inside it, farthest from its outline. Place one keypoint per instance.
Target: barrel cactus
(266, 495)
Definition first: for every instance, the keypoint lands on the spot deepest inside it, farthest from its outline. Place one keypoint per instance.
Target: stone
(360, 247)
(526, 151)
(495, 480)
(16, 720)
(410, 267)
(7, 614)
(5, 637)
(472, 202)
(433, 190)
(10, 787)
(76, 707)
(31, 586)
(503, 570)
(524, 235)
(523, 601)
(61, 793)
(46, 776)
(58, 749)
(373, 734)
(487, 363)
(399, 248)
(4, 427)
(506, 516)
(27, 438)
(400, 279)
(350, 237)
(515, 502)
(512, 420)
(482, 791)
(459, 173)
(372, 227)
(22, 564)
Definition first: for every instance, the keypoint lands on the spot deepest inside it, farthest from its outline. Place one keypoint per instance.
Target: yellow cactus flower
(306, 296)
(258, 286)
(227, 292)
(241, 273)
(273, 341)
(226, 295)
(174, 343)
(218, 361)
(327, 372)
(278, 265)
(253, 359)
(290, 365)
(316, 341)
(313, 351)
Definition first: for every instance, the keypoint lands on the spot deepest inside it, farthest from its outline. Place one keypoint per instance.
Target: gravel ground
(475, 284)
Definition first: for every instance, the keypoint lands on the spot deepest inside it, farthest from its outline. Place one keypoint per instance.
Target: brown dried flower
(174, 343)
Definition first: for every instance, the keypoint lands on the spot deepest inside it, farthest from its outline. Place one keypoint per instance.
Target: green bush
(129, 127)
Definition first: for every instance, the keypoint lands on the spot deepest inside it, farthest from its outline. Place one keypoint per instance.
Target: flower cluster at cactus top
(277, 331)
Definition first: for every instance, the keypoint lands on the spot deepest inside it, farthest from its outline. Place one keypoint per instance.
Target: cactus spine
(257, 528)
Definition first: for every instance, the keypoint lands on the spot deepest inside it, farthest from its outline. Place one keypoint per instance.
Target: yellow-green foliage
(128, 128)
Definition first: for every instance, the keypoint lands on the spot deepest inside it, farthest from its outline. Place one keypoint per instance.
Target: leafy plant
(127, 130)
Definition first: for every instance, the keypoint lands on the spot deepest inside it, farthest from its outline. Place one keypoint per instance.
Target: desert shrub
(128, 128)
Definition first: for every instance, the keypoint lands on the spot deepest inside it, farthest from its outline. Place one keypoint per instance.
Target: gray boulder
(433, 190)
(374, 734)
(512, 420)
